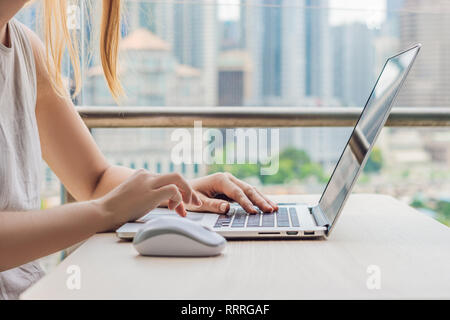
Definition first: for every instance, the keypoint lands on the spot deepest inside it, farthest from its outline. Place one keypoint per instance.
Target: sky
(229, 9)
(347, 11)
(371, 12)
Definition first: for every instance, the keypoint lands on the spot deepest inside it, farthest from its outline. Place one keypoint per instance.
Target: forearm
(111, 178)
(26, 236)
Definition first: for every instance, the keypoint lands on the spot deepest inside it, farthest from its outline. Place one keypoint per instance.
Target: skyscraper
(319, 68)
(234, 70)
(141, 15)
(392, 21)
(151, 77)
(190, 29)
(289, 44)
(354, 57)
(427, 22)
(274, 38)
(324, 145)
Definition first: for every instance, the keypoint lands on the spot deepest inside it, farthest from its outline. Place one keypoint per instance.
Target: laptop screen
(367, 128)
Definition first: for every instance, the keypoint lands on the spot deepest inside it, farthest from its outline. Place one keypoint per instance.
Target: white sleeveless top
(20, 152)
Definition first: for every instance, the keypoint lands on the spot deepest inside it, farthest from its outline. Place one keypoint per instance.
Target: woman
(38, 120)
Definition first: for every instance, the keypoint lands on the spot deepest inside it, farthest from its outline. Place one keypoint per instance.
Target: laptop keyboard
(284, 217)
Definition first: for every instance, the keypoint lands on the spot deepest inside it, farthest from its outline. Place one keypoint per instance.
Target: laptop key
(268, 220)
(294, 217)
(254, 220)
(282, 217)
(239, 221)
(283, 223)
(222, 221)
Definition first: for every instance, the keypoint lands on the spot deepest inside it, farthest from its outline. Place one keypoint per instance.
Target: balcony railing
(225, 117)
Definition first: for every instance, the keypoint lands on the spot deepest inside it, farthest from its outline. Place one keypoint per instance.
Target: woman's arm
(121, 194)
(71, 152)
(25, 236)
(67, 145)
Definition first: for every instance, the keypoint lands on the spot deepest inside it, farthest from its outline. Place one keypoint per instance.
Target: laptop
(297, 220)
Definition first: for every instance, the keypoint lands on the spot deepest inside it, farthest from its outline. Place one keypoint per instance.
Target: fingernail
(223, 207)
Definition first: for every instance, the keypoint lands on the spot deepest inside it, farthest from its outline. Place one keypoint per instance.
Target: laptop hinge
(319, 217)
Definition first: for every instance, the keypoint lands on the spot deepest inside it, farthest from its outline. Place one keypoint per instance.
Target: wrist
(103, 218)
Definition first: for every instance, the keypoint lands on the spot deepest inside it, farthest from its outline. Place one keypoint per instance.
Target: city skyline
(341, 11)
(276, 56)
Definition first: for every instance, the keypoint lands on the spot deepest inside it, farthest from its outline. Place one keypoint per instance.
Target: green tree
(375, 162)
(443, 210)
(418, 203)
(294, 164)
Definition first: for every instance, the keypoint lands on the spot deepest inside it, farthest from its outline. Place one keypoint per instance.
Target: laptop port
(308, 233)
(268, 233)
(292, 233)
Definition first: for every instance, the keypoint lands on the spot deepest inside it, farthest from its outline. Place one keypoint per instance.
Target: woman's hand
(143, 192)
(226, 185)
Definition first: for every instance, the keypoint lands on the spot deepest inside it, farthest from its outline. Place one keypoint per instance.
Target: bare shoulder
(37, 45)
(39, 52)
(35, 41)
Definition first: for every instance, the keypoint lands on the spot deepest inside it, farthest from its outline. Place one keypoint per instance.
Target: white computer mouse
(176, 236)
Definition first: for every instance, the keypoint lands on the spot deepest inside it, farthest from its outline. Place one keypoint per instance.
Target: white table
(410, 250)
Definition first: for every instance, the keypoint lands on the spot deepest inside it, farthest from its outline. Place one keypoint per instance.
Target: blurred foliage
(418, 203)
(440, 207)
(375, 162)
(294, 164)
(443, 211)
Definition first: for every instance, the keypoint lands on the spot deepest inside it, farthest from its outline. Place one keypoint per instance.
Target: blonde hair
(58, 38)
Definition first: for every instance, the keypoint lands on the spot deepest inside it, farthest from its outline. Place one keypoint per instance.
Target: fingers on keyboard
(239, 218)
